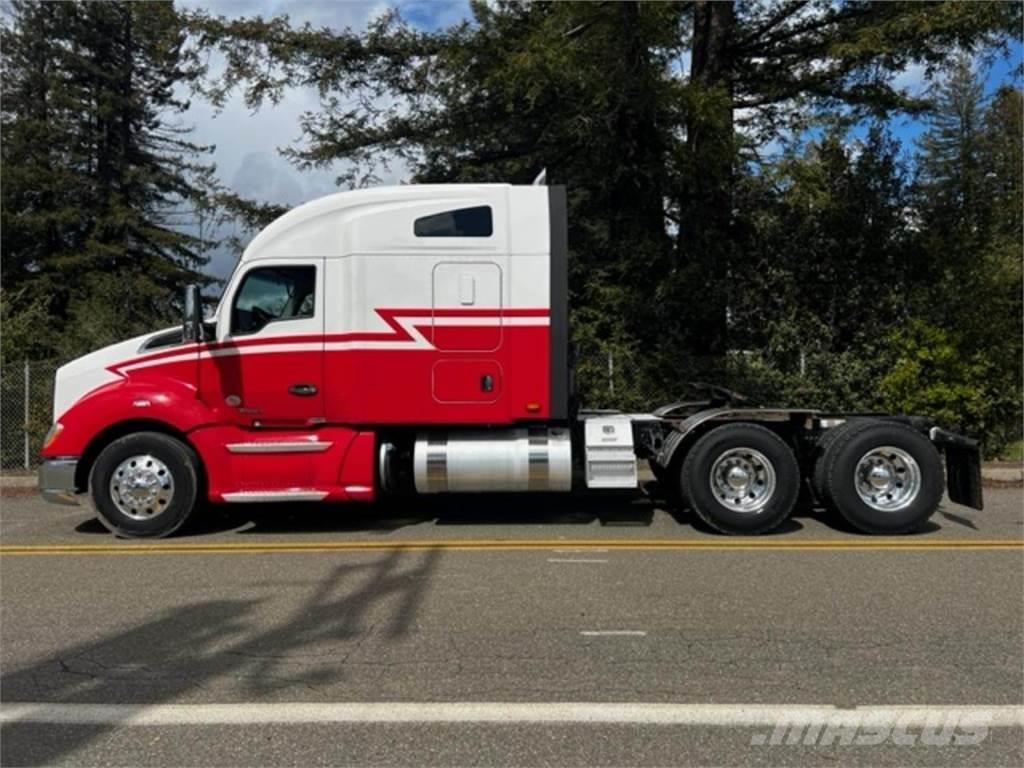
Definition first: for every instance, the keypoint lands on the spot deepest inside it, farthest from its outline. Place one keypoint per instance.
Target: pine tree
(600, 94)
(99, 181)
(952, 180)
(959, 353)
(1004, 160)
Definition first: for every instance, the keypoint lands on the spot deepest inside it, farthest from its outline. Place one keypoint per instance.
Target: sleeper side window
(462, 222)
(270, 294)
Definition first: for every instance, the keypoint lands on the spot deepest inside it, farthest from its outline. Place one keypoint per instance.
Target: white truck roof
(379, 220)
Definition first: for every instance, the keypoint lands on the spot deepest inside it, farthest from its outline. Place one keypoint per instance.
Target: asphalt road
(535, 601)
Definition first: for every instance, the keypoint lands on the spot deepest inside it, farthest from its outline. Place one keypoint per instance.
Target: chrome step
(291, 494)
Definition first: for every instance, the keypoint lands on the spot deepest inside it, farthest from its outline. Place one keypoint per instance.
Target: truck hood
(82, 375)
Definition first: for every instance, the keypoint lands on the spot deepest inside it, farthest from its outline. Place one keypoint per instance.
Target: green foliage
(99, 180)
(934, 373)
(810, 259)
(822, 246)
(840, 274)
(1013, 452)
(967, 302)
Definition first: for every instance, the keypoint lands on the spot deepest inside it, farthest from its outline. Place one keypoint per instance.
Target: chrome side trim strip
(293, 494)
(280, 446)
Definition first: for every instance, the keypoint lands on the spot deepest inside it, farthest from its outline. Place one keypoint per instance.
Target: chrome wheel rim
(141, 487)
(743, 479)
(887, 478)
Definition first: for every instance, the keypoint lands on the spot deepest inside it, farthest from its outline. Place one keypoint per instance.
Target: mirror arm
(192, 324)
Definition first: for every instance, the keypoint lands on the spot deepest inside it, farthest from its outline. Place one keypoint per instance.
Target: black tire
(845, 454)
(819, 477)
(177, 459)
(659, 472)
(668, 485)
(695, 479)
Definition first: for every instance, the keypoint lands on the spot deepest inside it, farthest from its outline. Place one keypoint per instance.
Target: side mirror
(192, 327)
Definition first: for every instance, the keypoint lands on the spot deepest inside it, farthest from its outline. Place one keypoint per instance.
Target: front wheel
(144, 485)
(741, 478)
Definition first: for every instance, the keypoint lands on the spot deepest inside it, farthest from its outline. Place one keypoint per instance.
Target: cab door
(266, 367)
(467, 332)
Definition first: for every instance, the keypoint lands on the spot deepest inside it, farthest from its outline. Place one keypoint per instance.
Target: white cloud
(913, 79)
(247, 143)
(238, 133)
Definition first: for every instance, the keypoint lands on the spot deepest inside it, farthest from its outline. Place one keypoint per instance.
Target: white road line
(737, 715)
(575, 551)
(573, 560)
(613, 632)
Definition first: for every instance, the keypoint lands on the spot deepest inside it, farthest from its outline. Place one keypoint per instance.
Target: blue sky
(246, 144)
(1003, 70)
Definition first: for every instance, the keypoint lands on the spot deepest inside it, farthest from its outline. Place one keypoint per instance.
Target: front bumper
(57, 480)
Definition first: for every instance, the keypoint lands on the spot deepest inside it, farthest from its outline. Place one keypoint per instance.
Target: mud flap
(963, 467)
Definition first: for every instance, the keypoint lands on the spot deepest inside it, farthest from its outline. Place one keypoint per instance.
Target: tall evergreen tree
(1004, 161)
(578, 90)
(99, 179)
(826, 244)
(952, 179)
(525, 85)
(848, 286)
(959, 355)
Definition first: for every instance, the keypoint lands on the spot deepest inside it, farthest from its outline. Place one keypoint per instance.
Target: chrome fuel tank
(536, 459)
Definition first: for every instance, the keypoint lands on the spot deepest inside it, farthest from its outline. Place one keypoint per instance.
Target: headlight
(52, 434)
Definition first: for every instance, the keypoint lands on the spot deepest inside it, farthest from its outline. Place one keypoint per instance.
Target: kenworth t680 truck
(414, 340)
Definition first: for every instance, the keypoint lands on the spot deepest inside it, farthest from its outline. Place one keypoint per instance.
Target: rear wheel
(740, 478)
(660, 473)
(819, 477)
(144, 485)
(883, 477)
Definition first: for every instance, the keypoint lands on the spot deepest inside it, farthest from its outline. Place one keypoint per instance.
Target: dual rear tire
(740, 479)
(880, 476)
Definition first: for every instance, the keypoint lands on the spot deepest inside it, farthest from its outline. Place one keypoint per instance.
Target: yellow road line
(713, 545)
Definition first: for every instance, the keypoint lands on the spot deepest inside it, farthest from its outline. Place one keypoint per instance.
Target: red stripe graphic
(389, 316)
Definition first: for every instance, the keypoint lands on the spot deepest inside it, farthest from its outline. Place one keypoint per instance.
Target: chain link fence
(606, 379)
(632, 381)
(629, 380)
(26, 411)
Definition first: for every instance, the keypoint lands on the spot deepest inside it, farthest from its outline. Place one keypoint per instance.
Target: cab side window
(462, 222)
(270, 294)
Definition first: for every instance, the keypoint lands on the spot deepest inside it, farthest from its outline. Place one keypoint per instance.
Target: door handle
(302, 390)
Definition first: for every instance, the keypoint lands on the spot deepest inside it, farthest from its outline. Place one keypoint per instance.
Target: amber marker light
(52, 434)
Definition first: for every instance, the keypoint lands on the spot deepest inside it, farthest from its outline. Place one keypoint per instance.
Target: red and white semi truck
(414, 340)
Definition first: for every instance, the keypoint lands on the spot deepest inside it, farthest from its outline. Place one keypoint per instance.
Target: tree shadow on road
(181, 651)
